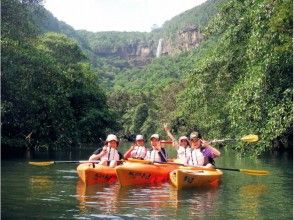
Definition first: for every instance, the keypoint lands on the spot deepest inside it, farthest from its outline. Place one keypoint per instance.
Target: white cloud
(117, 15)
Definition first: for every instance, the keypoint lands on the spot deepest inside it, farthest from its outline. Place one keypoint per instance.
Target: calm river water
(55, 192)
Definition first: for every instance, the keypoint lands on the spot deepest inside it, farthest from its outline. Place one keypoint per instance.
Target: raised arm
(169, 134)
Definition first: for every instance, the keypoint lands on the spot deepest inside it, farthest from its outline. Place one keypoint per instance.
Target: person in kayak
(137, 151)
(108, 154)
(157, 154)
(182, 146)
(202, 153)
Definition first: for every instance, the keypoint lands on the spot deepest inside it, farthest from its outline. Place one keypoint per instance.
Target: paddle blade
(254, 172)
(250, 138)
(46, 163)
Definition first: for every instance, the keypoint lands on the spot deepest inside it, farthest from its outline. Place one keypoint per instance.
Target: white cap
(154, 136)
(111, 137)
(195, 134)
(139, 137)
(183, 138)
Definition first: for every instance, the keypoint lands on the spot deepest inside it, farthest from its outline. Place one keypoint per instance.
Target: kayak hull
(195, 178)
(132, 173)
(92, 174)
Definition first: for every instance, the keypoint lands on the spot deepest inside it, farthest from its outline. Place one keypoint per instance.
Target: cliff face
(141, 53)
(184, 40)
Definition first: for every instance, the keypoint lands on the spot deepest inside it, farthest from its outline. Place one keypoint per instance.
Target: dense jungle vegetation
(59, 90)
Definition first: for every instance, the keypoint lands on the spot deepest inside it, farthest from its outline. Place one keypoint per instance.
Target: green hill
(72, 87)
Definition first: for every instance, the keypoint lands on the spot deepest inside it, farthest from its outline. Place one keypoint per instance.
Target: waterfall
(159, 47)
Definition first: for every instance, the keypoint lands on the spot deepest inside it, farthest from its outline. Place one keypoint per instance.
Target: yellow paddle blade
(255, 172)
(250, 138)
(46, 163)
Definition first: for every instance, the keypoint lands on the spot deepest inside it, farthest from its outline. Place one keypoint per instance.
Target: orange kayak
(96, 174)
(192, 177)
(141, 173)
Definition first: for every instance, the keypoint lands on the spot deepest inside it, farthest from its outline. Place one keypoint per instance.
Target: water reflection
(193, 203)
(251, 198)
(41, 182)
(162, 201)
(101, 197)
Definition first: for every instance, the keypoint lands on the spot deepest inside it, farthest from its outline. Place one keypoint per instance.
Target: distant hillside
(112, 53)
(181, 33)
(182, 29)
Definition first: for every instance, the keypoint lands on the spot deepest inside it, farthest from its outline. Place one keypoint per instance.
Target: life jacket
(184, 154)
(139, 152)
(199, 158)
(111, 154)
(156, 155)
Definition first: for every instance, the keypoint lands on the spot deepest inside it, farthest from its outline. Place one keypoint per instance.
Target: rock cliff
(141, 53)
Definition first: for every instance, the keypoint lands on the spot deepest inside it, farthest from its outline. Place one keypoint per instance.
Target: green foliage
(244, 85)
(50, 95)
(107, 43)
(198, 16)
(139, 117)
(32, 97)
(58, 45)
(267, 82)
(16, 20)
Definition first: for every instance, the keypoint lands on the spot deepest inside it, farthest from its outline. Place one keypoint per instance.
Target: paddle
(247, 138)
(245, 171)
(48, 163)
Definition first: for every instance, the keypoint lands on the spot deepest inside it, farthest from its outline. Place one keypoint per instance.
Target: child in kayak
(202, 153)
(157, 154)
(137, 151)
(182, 146)
(109, 154)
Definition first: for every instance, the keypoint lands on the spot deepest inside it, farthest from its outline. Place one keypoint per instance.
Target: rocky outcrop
(185, 40)
(141, 53)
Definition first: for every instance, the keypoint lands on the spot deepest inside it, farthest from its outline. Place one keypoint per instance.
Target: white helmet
(111, 137)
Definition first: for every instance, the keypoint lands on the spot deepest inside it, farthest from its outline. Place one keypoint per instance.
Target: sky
(117, 15)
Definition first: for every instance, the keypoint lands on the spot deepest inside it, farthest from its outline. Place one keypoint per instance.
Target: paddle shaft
(77, 161)
(47, 163)
(229, 169)
(245, 171)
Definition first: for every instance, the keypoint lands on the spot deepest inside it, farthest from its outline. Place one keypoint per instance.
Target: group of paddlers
(193, 151)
